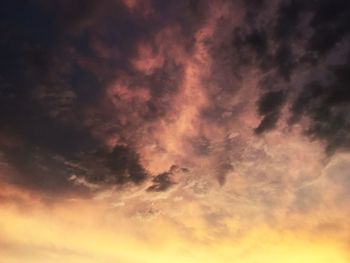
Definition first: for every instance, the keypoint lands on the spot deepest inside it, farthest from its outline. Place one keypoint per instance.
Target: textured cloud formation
(200, 127)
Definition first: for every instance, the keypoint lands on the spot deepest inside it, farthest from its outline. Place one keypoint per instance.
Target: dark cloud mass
(57, 61)
(328, 108)
(164, 181)
(269, 106)
(85, 85)
(126, 165)
(161, 183)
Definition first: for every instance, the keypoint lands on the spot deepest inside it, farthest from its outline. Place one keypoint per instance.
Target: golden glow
(97, 235)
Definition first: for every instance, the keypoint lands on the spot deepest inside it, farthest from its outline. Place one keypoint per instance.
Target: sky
(139, 131)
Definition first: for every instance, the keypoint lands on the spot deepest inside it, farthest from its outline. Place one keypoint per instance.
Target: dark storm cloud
(327, 21)
(57, 60)
(269, 106)
(60, 62)
(125, 165)
(250, 44)
(300, 32)
(162, 182)
(288, 16)
(330, 23)
(252, 9)
(105, 168)
(46, 171)
(328, 107)
(271, 101)
(33, 88)
(257, 40)
(253, 46)
(264, 42)
(284, 59)
(311, 92)
(268, 122)
(82, 44)
(38, 170)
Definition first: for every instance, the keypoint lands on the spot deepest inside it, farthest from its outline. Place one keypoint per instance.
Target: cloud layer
(220, 121)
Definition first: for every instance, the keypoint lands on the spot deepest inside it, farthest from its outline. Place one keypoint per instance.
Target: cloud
(162, 182)
(329, 23)
(327, 107)
(126, 165)
(99, 98)
(288, 18)
(103, 168)
(70, 69)
(269, 105)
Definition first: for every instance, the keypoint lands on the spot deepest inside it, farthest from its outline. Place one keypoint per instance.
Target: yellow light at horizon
(68, 236)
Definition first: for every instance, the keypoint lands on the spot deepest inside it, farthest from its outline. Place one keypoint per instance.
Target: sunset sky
(175, 131)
